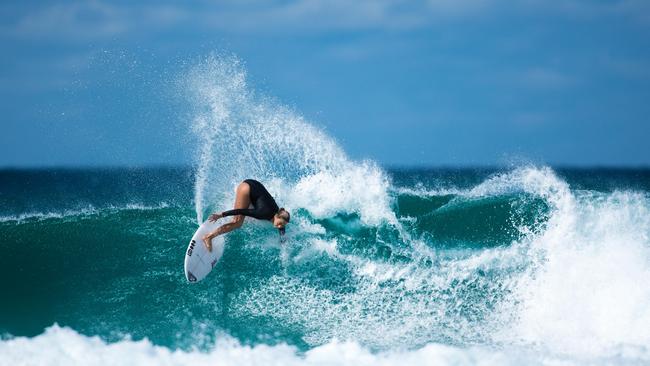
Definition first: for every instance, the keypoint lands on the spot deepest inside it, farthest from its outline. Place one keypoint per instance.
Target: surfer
(250, 192)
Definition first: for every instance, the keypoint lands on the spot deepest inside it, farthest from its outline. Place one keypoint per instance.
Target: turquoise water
(519, 265)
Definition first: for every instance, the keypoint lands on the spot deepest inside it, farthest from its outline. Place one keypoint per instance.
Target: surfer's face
(279, 222)
(281, 219)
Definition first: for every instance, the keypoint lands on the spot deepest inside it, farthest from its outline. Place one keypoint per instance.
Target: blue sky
(439, 82)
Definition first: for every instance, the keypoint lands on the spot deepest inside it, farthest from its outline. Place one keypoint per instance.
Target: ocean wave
(64, 346)
(573, 284)
(582, 290)
(571, 290)
(83, 212)
(360, 189)
(521, 179)
(421, 191)
(585, 291)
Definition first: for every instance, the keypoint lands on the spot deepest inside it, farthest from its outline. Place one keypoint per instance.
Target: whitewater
(519, 265)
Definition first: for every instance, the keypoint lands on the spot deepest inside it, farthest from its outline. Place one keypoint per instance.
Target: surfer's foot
(207, 241)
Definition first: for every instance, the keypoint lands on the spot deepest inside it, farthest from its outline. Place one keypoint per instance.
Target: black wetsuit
(264, 206)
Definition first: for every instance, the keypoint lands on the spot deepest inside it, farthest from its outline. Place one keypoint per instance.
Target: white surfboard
(198, 261)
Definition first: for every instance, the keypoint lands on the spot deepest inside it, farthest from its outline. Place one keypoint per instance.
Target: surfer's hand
(214, 217)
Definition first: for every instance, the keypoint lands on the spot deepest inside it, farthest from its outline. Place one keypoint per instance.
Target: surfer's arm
(236, 223)
(245, 212)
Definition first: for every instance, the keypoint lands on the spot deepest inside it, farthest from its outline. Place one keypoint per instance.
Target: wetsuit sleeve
(244, 211)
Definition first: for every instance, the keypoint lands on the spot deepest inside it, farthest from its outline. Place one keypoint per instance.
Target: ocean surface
(525, 264)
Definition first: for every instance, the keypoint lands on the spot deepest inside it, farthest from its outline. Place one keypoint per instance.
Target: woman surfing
(250, 192)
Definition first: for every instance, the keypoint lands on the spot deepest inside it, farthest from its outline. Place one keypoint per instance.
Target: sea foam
(64, 346)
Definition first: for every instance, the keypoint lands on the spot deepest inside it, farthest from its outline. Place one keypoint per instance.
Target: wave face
(526, 265)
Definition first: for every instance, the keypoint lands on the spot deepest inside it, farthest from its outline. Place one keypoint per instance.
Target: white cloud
(37, 75)
(98, 19)
(85, 20)
(534, 78)
(545, 78)
(456, 8)
(93, 20)
(529, 119)
(637, 11)
(628, 68)
(314, 15)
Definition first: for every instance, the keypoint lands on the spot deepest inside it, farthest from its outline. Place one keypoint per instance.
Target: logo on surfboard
(191, 248)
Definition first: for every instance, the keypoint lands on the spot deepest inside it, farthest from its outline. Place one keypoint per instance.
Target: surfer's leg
(242, 200)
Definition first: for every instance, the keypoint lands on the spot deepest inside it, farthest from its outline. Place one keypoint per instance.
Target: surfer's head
(281, 219)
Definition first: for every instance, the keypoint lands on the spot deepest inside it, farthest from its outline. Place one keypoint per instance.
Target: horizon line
(384, 166)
